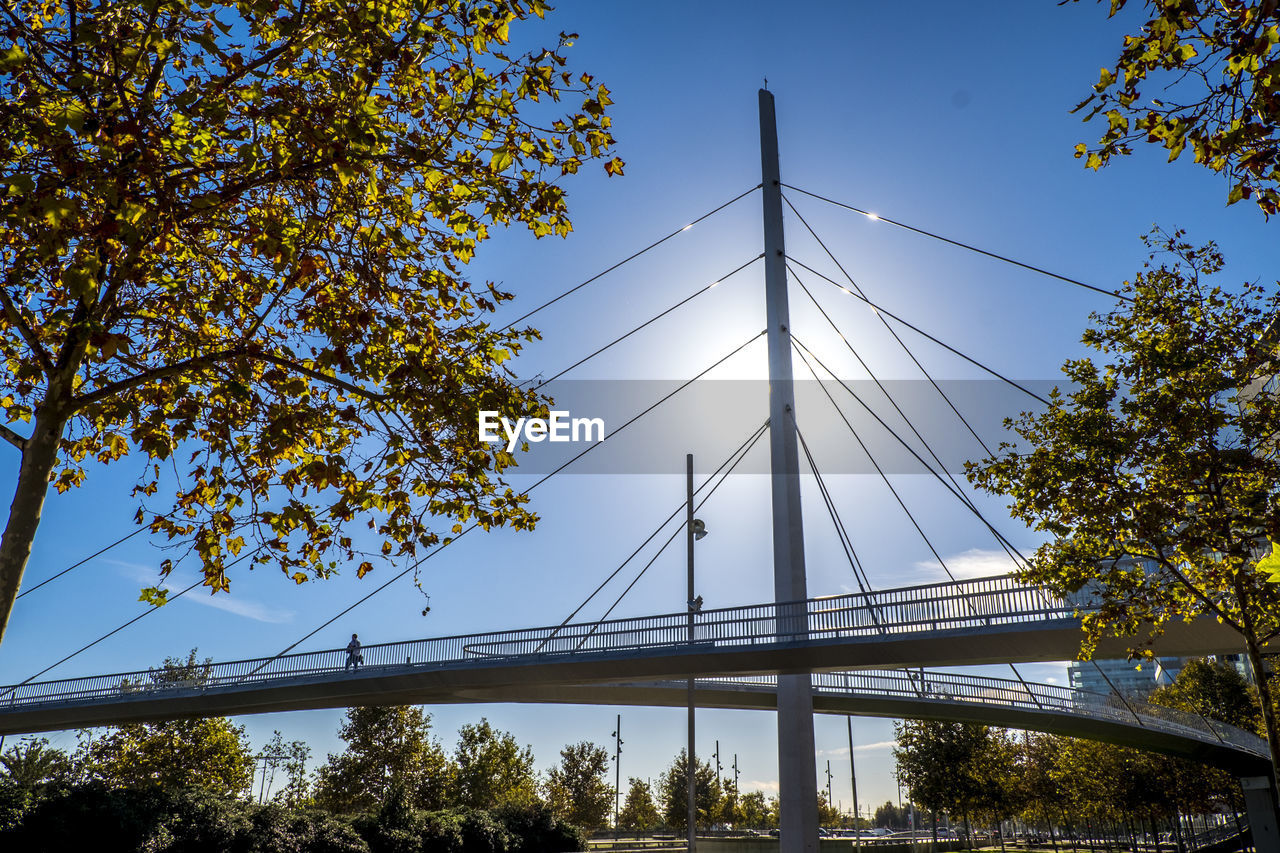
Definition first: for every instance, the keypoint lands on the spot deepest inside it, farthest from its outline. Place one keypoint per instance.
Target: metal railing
(1000, 600)
(1010, 693)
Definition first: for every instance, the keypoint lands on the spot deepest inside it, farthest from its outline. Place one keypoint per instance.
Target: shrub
(89, 817)
(534, 829)
(15, 800)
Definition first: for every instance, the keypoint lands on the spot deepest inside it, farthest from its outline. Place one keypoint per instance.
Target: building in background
(1131, 678)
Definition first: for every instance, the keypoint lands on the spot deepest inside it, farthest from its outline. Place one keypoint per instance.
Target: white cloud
(242, 607)
(768, 787)
(868, 747)
(974, 563)
(245, 607)
(843, 752)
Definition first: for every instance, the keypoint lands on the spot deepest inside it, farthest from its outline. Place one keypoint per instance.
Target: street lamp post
(694, 605)
(828, 783)
(617, 773)
(853, 779)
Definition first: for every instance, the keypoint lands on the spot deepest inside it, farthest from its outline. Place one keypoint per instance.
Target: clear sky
(951, 117)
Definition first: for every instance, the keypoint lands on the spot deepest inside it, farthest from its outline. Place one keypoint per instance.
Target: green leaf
(1270, 564)
(155, 596)
(11, 57)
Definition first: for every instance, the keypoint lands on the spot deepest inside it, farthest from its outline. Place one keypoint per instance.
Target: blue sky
(951, 117)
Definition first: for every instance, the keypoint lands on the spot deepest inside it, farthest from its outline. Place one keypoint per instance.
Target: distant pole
(719, 766)
(828, 783)
(617, 773)
(797, 764)
(691, 774)
(853, 779)
(735, 773)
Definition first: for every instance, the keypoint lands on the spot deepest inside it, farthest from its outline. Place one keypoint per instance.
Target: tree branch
(207, 361)
(19, 322)
(12, 437)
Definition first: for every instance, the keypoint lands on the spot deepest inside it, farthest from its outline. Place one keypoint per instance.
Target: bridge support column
(1260, 809)
(797, 766)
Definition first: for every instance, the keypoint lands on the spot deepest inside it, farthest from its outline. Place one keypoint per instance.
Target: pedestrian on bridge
(354, 658)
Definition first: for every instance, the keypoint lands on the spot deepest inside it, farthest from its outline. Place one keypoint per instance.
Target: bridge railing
(981, 602)
(1010, 693)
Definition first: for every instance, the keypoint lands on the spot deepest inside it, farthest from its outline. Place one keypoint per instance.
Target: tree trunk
(1071, 829)
(38, 458)
(1176, 822)
(1236, 807)
(1268, 706)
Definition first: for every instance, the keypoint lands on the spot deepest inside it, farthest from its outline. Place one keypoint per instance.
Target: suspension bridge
(583, 664)
(861, 653)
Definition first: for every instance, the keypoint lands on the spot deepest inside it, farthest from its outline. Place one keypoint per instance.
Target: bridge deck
(989, 620)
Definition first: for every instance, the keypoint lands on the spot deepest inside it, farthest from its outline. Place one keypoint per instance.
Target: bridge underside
(396, 691)
(595, 679)
(426, 683)
(892, 707)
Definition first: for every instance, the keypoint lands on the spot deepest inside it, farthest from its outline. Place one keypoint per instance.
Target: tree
(828, 814)
(34, 765)
(1157, 475)
(386, 747)
(757, 812)
(729, 810)
(576, 788)
(674, 792)
(1215, 690)
(1044, 796)
(1214, 68)
(209, 753)
(235, 233)
(491, 770)
(638, 814)
(292, 757)
(891, 816)
(951, 767)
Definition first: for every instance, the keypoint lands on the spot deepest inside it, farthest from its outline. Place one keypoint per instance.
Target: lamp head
(699, 529)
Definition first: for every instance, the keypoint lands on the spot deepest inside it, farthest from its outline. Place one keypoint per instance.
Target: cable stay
(1027, 687)
(651, 320)
(117, 630)
(95, 554)
(889, 328)
(842, 533)
(831, 507)
(422, 559)
(910, 425)
(877, 218)
(630, 258)
(749, 441)
(959, 491)
(887, 313)
(741, 453)
(437, 549)
(813, 464)
(1004, 544)
(906, 446)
